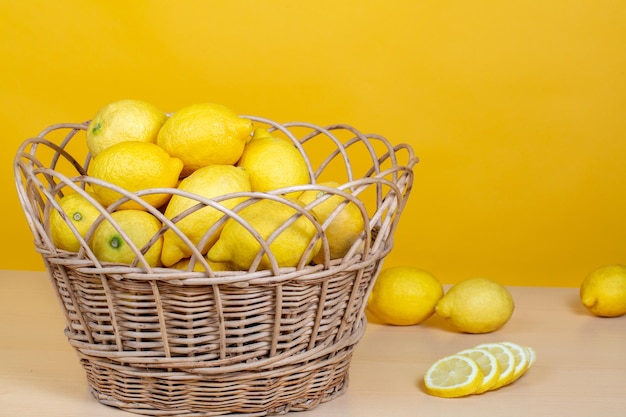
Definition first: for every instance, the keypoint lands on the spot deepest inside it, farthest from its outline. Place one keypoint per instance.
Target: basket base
(301, 404)
(299, 386)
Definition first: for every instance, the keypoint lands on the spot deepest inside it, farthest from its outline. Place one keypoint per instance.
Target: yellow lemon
(134, 166)
(603, 291)
(346, 221)
(453, 376)
(506, 362)
(404, 296)
(121, 121)
(260, 132)
(238, 247)
(476, 305)
(205, 134)
(77, 210)
(522, 359)
(274, 163)
(210, 181)
(140, 227)
(532, 356)
(197, 267)
(500, 363)
(488, 364)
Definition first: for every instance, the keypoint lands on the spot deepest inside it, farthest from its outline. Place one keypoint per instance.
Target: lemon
(603, 291)
(238, 247)
(210, 181)
(260, 132)
(205, 134)
(346, 224)
(476, 305)
(522, 358)
(506, 361)
(274, 163)
(532, 356)
(198, 267)
(500, 363)
(488, 364)
(110, 245)
(404, 296)
(453, 376)
(80, 212)
(134, 166)
(121, 121)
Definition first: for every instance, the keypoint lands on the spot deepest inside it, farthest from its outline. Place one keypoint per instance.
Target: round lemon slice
(506, 360)
(453, 376)
(488, 364)
(521, 359)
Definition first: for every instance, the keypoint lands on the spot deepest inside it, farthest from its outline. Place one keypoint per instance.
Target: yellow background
(517, 109)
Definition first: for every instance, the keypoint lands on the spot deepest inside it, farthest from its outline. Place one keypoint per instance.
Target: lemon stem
(115, 242)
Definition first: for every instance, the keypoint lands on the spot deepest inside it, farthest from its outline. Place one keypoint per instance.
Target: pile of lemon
(483, 368)
(208, 151)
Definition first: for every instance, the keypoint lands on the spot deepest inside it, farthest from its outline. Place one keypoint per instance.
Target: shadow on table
(433, 322)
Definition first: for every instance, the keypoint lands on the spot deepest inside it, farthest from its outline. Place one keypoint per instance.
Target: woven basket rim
(27, 165)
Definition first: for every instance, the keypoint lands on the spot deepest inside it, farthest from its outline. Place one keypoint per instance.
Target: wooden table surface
(580, 368)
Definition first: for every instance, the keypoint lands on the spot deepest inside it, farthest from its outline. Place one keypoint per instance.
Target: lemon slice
(506, 360)
(532, 356)
(453, 376)
(488, 364)
(521, 359)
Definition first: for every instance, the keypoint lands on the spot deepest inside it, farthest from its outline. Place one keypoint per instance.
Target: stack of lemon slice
(483, 368)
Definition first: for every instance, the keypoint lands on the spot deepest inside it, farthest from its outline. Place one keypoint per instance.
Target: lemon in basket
(603, 291)
(134, 166)
(80, 212)
(344, 228)
(260, 132)
(204, 134)
(476, 305)
(183, 264)
(238, 247)
(404, 295)
(273, 163)
(210, 181)
(141, 228)
(121, 121)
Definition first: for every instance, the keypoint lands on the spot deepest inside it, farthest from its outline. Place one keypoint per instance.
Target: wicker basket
(198, 342)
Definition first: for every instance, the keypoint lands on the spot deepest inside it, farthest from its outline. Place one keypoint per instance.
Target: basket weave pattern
(198, 342)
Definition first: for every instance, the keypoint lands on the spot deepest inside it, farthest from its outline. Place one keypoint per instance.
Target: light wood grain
(580, 369)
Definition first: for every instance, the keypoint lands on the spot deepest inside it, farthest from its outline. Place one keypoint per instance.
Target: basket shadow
(433, 322)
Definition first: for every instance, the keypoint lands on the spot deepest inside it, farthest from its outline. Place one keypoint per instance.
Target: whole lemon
(238, 247)
(205, 134)
(404, 296)
(346, 225)
(603, 291)
(80, 212)
(134, 166)
(121, 121)
(141, 227)
(273, 163)
(476, 305)
(210, 181)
